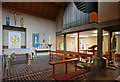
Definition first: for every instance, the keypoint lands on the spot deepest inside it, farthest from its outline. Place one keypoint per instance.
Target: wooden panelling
(11, 4)
(47, 10)
(61, 3)
(40, 7)
(34, 6)
(26, 6)
(20, 5)
(30, 13)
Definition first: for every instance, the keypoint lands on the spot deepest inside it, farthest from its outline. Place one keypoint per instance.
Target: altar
(39, 52)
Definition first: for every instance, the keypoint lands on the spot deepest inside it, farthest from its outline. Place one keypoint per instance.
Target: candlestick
(49, 40)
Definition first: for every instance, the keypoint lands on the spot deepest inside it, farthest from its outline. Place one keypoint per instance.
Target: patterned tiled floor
(21, 71)
(103, 75)
(41, 70)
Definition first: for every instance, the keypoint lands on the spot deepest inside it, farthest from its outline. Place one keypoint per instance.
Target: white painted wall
(88, 42)
(60, 42)
(76, 44)
(105, 44)
(107, 11)
(71, 44)
(33, 24)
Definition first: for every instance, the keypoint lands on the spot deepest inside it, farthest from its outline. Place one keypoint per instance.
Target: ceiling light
(117, 32)
(94, 35)
(105, 34)
(74, 34)
(62, 35)
(95, 31)
(83, 36)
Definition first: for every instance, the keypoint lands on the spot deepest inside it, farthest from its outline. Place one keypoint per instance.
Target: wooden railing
(67, 54)
(63, 61)
(61, 54)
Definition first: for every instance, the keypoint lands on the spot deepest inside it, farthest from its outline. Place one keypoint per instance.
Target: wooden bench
(67, 76)
(62, 54)
(67, 54)
(71, 75)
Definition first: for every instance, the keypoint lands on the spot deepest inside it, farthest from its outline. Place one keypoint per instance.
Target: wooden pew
(70, 75)
(62, 54)
(68, 54)
(85, 55)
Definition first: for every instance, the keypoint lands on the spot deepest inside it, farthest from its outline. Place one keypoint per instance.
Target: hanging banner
(14, 40)
(35, 42)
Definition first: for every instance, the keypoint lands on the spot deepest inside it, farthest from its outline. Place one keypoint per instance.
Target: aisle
(40, 70)
(21, 71)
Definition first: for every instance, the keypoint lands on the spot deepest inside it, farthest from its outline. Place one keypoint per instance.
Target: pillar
(99, 48)
(56, 42)
(109, 44)
(78, 42)
(65, 43)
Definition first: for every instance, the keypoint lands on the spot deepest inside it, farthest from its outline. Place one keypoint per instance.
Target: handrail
(72, 53)
(63, 61)
(66, 66)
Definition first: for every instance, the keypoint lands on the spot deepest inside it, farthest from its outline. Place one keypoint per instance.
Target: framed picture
(35, 41)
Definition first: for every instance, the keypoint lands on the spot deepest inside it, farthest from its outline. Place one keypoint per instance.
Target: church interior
(59, 41)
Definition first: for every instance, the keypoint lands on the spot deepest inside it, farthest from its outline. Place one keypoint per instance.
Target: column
(109, 45)
(65, 43)
(56, 42)
(78, 42)
(99, 48)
